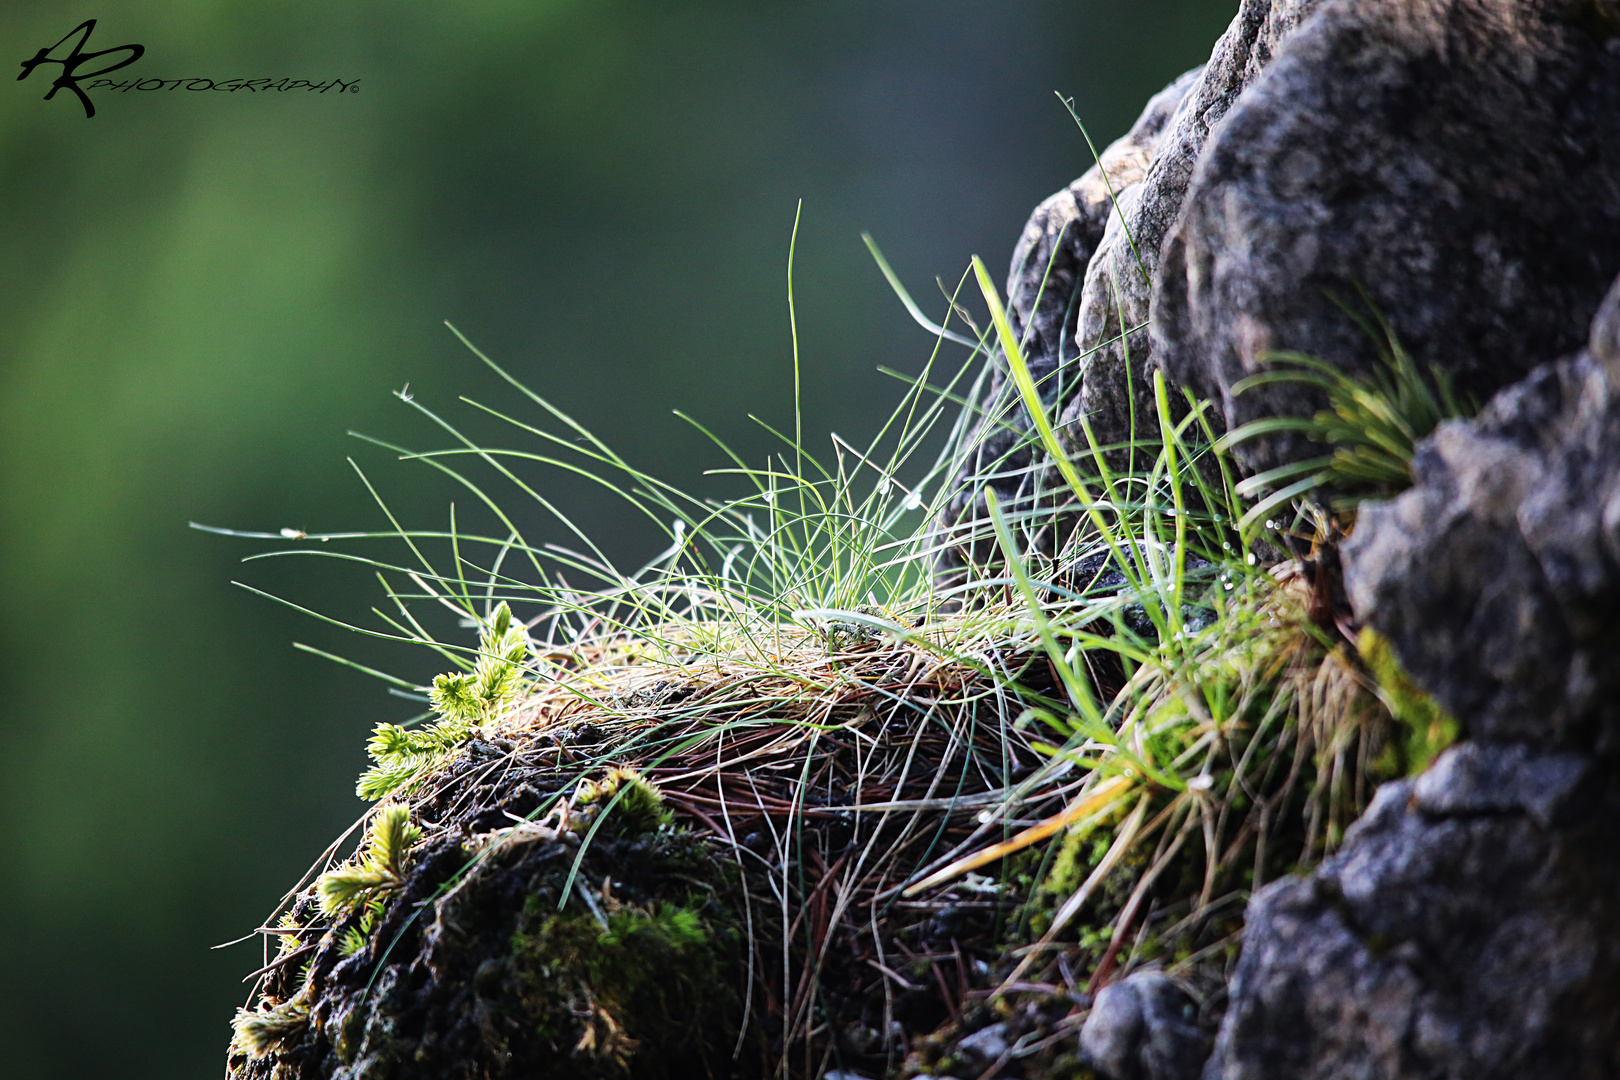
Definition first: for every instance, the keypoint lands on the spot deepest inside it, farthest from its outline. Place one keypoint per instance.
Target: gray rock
(1143, 1028)
(981, 1049)
(1111, 222)
(1469, 946)
(1112, 336)
(1043, 298)
(1604, 341)
(1497, 576)
(1476, 779)
(1101, 238)
(1458, 160)
(1049, 262)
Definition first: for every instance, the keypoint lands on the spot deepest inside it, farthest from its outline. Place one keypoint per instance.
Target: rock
(1101, 278)
(1049, 262)
(1604, 340)
(1497, 577)
(1043, 296)
(981, 1049)
(1142, 1028)
(1113, 340)
(1458, 161)
(1472, 779)
(1440, 942)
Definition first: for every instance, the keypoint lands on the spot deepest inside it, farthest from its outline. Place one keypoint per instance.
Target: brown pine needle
(1106, 792)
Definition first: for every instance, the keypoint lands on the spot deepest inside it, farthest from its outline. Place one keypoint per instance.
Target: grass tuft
(1371, 426)
(1104, 738)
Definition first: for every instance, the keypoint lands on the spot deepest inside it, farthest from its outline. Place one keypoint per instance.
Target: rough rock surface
(1101, 276)
(1043, 301)
(1458, 161)
(1116, 375)
(1142, 1028)
(1497, 577)
(1049, 262)
(1455, 936)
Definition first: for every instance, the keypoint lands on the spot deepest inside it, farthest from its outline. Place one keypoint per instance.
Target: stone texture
(1043, 298)
(1049, 262)
(980, 1050)
(1456, 160)
(1100, 281)
(1113, 340)
(1448, 939)
(1553, 789)
(1497, 576)
(1142, 1028)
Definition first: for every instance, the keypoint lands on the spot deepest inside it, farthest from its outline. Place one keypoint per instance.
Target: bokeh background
(200, 293)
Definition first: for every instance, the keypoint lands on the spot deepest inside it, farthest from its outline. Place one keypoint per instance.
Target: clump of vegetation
(262, 1031)
(1372, 424)
(381, 869)
(358, 936)
(464, 701)
(637, 806)
(934, 802)
(590, 989)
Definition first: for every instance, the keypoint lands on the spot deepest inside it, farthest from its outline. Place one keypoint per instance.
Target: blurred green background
(202, 292)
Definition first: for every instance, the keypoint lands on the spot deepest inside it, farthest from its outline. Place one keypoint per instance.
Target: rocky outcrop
(1050, 260)
(1083, 275)
(1470, 928)
(1497, 577)
(1456, 163)
(1043, 305)
(1116, 375)
(1451, 167)
(1454, 167)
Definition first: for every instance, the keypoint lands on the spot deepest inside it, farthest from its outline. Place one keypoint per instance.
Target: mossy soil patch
(744, 908)
(487, 971)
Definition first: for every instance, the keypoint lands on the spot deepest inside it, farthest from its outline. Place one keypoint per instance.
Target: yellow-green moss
(1422, 727)
(652, 987)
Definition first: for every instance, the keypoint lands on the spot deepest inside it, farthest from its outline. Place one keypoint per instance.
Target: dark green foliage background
(200, 292)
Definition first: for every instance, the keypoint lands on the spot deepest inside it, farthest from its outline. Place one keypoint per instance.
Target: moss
(636, 805)
(463, 701)
(647, 990)
(621, 957)
(380, 870)
(1423, 727)
(265, 1030)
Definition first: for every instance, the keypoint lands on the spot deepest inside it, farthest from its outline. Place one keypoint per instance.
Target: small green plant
(269, 1028)
(1424, 727)
(637, 804)
(355, 937)
(463, 701)
(1372, 424)
(381, 869)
